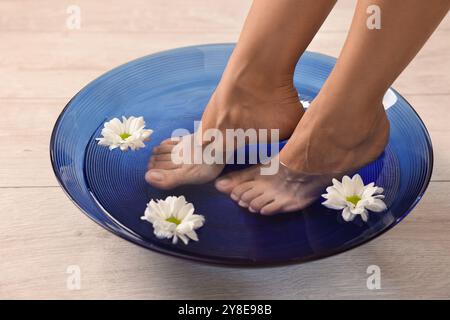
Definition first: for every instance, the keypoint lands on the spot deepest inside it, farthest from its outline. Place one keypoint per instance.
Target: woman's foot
(242, 101)
(164, 173)
(330, 141)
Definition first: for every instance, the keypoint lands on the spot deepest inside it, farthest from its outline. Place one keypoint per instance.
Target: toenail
(234, 197)
(252, 210)
(156, 176)
(223, 182)
(243, 204)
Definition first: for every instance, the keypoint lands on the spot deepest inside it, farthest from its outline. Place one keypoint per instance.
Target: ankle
(354, 110)
(249, 73)
(335, 138)
(255, 88)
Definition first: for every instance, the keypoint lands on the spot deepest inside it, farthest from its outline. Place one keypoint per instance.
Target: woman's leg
(346, 126)
(256, 90)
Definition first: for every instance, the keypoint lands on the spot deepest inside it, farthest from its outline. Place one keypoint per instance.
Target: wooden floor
(43, 64)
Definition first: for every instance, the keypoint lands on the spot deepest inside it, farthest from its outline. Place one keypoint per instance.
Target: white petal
(133, 126)
(347, 186)
(186, 210)
(198, 220)
(377, 205)
(358, 184)
(146, 133)
(192, 235)
(164, 209)
(357, 210)
(162, 233)
(115, 125)
(333, 192)
(365, 216)
(379, 190)
(305, 103)
(178, 205)
(336, 205)
(183, 238)
(347, 215)
(338, 187)
(368, 190)
(331, 189)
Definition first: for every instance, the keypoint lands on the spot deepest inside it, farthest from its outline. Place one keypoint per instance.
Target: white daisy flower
(173, 218)
(305, 103)
(128, 133)
(354, 198)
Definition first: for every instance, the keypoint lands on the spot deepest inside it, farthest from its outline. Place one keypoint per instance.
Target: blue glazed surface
(170, 89)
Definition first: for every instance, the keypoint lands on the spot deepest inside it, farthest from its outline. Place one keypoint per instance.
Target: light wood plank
(145, 16)
(27, 126)
(45, 234)
(59, 64)
(434, 111)
(134, 16)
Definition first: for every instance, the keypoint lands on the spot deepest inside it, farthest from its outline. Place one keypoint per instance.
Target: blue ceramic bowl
(170, 89)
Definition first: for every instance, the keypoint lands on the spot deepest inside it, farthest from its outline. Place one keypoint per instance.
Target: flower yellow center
(173, 220)
(125, 135)
(353, 199)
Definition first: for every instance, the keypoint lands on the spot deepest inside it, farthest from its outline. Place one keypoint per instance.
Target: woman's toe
(163, 179)
(163, 148)
(240, 190)
(298, 204)
(273, 207)
(259, 202)
(231, 180)
(150, 164)
(252, 193)
(161, 157)
(165, 165)
(171, 141)
(243, 204)
(161, 161)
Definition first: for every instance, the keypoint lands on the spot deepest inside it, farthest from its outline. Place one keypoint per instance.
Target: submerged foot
(165, 173)
(325, 145)
(236, 104)
(284, 191)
